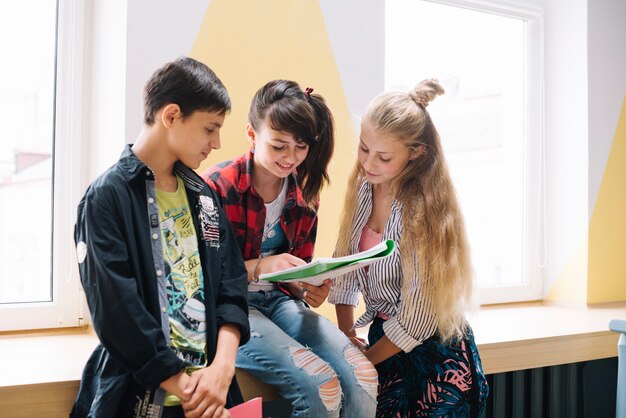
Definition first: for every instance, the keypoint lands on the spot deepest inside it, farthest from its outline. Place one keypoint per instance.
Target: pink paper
(251, 409)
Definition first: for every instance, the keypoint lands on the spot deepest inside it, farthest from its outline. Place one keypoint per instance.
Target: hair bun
(426, 91)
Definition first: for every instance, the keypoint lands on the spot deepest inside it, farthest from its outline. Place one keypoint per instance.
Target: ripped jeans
(307, 359)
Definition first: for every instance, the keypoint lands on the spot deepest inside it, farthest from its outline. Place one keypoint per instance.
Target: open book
(320, 269)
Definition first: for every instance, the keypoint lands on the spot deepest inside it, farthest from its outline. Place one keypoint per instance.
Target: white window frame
(534, 164)
(67, 307)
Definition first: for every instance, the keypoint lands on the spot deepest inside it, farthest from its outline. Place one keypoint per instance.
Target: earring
(253, 150)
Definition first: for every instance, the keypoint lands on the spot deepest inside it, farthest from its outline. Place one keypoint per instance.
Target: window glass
(479, 59)
(27, 92)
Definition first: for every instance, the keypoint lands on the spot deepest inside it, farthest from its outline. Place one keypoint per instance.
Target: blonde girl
(419, 339)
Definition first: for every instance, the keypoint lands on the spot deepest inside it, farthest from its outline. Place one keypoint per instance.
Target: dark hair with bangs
(286, 108)
(188, 83)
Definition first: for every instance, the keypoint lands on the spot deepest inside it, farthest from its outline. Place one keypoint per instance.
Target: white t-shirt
(273, 235)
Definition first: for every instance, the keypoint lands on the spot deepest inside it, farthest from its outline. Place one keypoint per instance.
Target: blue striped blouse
(411, 318)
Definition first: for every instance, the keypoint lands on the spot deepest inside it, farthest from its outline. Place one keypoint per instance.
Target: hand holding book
(327, 268)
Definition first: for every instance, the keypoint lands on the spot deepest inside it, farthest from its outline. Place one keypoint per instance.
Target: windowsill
(509, 337)
(528, 335)
(44, 356)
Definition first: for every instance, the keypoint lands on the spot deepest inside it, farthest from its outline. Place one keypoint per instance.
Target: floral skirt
(433, 380)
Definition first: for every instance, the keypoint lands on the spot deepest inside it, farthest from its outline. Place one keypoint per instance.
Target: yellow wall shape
(607, 231)
(570, 288)
(248, 43)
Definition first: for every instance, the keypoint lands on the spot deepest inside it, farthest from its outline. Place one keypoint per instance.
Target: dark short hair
(188, 83)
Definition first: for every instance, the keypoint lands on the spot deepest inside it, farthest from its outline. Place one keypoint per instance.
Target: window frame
(66, 309)
(534, 158)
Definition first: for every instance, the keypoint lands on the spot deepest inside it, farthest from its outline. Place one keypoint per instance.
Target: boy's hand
(176, 385)
(206, 391)
(315, 295)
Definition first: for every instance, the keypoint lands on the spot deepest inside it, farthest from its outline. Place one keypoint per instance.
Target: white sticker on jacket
(209, 221)
(81, 252)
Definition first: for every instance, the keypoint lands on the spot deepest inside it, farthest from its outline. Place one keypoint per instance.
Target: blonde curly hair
(434, 240)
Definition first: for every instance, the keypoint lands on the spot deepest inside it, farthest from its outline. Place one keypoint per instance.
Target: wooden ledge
(524, 336)
(43, 369)
(528, 354)
(509, 337)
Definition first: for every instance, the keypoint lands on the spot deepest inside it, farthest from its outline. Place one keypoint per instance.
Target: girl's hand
(360, 343)
(273, 263)
(315, 295)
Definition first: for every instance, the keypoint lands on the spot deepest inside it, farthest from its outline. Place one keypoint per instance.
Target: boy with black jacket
(162, 273)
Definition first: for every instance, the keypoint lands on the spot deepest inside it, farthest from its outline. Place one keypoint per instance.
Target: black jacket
(118, 242)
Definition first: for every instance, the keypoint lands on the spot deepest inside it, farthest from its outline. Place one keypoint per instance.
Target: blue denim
(298, 352)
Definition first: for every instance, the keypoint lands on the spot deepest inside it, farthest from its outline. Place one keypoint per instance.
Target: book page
(323, 266)
(318, 279)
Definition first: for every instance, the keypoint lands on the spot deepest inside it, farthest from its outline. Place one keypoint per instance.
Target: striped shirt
(411, 318)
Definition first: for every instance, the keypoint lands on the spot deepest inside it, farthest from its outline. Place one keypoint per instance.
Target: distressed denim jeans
(307, 359)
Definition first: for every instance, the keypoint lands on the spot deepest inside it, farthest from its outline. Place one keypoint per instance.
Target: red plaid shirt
(245, 209)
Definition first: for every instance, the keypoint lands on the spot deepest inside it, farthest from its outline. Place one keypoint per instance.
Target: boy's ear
(251, 134)
(169, 114)
(416, 152)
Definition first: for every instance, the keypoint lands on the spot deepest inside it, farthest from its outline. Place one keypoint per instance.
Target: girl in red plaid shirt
(271, 196)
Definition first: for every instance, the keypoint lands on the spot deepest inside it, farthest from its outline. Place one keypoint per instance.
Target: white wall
(130, 39)
(105, 85)
(566, 132)
(158, 31)
(607, 83)
(357, 34)
(355, 29)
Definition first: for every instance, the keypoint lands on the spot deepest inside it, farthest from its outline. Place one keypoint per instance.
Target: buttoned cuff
(162, 366)
(342, 297)
(399, 336)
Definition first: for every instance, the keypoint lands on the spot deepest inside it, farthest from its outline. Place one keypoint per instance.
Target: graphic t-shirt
(183, 272)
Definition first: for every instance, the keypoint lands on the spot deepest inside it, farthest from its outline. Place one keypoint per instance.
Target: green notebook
(320, 269)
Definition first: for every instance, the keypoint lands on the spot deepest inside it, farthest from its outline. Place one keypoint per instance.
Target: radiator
(578, 390)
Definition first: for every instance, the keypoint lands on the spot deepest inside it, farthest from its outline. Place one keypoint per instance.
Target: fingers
(321, 290)
(192, 383)
(278, 262)
(199, 399)
(213, 411)
(360, 343)
(316, 295)
(290, 260)
(205, 409)
(312, 299)
(176, 384)
(207, 393)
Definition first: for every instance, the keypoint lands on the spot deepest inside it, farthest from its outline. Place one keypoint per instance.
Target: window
(39, 88)
(487, 59)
